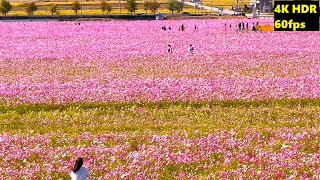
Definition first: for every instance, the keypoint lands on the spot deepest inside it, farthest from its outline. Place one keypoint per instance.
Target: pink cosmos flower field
(243, 105)
(61, 63)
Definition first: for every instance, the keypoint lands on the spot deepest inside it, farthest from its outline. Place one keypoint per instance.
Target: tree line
(131, 6)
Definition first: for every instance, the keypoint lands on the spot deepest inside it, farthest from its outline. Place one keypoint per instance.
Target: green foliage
(53, 8)
(108, 8)
(5, 7)
(178, 6)
(157, 117)
(154, 6)
(171, 6)
(174, 5)
(146, 6)
(105, 7)
(31, 8)
(131, 6)
(76, 6)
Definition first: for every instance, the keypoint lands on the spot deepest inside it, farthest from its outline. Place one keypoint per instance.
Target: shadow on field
(25, 108)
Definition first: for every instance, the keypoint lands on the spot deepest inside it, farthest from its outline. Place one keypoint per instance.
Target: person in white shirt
(78, 172)
(169, 49)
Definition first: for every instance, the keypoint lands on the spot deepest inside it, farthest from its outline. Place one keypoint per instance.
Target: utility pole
(81, 9)
(241, 7)
(120, 6)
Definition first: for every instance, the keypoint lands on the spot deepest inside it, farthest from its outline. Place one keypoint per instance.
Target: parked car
(160, 16)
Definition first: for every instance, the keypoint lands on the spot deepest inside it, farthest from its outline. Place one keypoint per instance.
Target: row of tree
(30, 8)
(131, 6)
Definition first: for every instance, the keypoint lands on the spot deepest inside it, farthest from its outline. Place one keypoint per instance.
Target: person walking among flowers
(190, 48)
(79, 172)
(169, 49)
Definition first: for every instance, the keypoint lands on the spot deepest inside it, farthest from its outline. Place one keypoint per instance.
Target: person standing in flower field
(182, 27)
(169, 49)
(78, 172)
(190, 49)
(253, 27)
